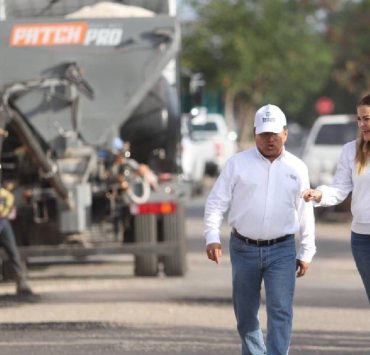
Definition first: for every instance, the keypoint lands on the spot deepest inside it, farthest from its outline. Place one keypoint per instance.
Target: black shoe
(23, 289)
(24, 292)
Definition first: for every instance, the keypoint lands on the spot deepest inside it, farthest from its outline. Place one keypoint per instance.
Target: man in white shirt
(261, 190)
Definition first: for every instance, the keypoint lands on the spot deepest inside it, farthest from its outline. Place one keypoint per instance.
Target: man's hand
(312, 195)
(301, 268)
(214, 252)
(149, 175)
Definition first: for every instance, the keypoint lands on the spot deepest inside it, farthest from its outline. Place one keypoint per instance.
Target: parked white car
(206, 145)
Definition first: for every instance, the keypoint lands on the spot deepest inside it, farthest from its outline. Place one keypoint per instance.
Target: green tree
(259, 52)
(348, 31)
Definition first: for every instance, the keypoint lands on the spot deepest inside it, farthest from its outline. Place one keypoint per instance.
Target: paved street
(101, 308)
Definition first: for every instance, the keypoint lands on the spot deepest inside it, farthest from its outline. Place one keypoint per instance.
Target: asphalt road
(99, 307)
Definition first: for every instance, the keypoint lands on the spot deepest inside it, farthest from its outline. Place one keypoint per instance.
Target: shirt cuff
(212, 237)
(306, 255)
(322, 203)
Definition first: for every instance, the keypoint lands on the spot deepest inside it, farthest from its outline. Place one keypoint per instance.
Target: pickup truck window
(207, 127)
(336, 134)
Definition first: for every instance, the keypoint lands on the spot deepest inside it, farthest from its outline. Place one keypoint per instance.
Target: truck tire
(145, 227)
(174, 231)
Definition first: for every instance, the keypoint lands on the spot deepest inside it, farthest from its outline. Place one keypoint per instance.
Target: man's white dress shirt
(263, 200)
(346, 180)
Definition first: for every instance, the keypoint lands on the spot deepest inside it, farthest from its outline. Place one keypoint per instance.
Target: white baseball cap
(269, 118)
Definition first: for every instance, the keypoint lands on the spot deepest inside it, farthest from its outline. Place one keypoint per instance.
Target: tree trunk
(229, 109)
(245, 118)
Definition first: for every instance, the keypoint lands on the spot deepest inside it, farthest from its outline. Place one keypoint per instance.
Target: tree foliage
(348, 31)
(265, 50)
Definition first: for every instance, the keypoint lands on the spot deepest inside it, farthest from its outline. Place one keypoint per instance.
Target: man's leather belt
(259, 242)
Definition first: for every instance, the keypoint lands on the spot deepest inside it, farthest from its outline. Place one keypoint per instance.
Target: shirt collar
(283, 153)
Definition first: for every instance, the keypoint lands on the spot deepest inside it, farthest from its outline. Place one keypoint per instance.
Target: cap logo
(268, 117)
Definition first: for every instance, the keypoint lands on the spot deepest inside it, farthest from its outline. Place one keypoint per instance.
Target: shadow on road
(325, 299)
(325, 343)
(333, 249)
(94, 337)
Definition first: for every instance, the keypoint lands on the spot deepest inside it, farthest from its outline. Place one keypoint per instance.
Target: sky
(184, 11)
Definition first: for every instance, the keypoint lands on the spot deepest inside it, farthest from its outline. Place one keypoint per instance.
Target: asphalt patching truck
(90, 130)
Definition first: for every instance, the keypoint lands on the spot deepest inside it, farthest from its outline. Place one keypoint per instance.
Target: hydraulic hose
(48, 169)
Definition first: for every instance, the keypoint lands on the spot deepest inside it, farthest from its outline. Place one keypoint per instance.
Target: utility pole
(2, 10)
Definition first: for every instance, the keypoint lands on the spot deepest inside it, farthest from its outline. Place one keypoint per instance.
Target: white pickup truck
(322, 150)
(324, 145)
(206, 145)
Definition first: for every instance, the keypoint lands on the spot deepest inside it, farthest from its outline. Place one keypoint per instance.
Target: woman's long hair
(362, 147)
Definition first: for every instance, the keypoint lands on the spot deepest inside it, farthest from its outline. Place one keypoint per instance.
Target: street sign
(324, 105)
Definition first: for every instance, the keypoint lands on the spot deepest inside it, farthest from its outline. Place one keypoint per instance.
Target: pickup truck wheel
(174, 231)
(197, 188)
(321, 213)
(145, 227)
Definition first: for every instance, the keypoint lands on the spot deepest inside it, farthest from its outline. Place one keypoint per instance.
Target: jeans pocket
(288, 246)
(237, 244)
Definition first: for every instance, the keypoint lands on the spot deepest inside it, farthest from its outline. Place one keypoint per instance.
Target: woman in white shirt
(353, 175)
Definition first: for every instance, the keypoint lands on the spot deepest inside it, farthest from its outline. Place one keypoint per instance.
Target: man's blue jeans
(360, 244)
(275, 265)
